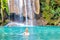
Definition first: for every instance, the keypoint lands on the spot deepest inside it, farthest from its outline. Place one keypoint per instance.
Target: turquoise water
(36, 33)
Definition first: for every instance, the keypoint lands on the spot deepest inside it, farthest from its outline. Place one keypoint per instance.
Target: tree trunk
(2, 12)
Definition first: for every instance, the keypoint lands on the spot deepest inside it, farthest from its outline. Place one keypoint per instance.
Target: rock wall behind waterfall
(37, 6)
(13, 7)
(18, 6)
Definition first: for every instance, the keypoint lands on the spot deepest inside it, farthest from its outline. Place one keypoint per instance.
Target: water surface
(36, 33)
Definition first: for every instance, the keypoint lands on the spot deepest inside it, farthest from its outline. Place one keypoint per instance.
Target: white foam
(18, 24)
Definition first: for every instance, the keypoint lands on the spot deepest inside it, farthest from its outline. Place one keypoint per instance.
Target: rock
(59, 24)
(14, 9)
(41, 21)
(37, 6)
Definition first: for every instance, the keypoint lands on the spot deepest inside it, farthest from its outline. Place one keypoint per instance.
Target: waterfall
(30, 12)
(20, 4)
(29, 8)
(33, 4)
(26, 11)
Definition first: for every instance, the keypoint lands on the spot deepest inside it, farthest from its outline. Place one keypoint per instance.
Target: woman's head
(26, 30)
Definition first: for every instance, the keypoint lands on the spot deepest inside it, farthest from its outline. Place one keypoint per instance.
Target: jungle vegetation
(3, 11)
(49, 11)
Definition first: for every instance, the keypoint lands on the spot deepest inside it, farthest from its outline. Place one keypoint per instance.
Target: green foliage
(51, 12)
(4, 6)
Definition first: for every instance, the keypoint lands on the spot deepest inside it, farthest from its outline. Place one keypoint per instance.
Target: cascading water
(30, 11)
(21, 7)
(26, 12)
